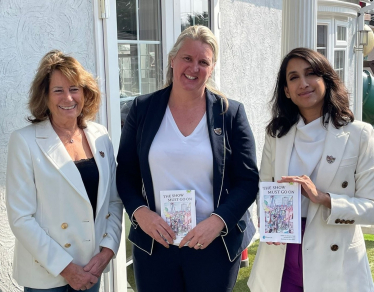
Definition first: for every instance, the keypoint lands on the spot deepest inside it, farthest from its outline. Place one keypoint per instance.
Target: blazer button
(64, 225)
(67, 245)
(352, 221)
(337, 221)
(105, 234)
(344, 184)
(334, 247)
(36, 261)
(342, 221)
(107, 216)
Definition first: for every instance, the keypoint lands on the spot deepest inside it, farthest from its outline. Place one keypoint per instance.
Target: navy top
(90, 177)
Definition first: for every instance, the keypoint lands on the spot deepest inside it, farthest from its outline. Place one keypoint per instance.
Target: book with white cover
(280, 217)
(179, 211)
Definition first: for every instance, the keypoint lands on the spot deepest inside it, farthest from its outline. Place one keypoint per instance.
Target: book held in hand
(179, 211)
(280, 217)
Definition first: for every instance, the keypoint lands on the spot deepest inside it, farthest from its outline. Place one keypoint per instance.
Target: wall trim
(335, 8)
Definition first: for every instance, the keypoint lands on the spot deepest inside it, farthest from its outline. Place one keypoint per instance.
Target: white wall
(28, 30)
(250, 44)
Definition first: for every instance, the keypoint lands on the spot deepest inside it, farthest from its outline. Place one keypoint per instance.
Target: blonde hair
(197, 33)
(75, 73)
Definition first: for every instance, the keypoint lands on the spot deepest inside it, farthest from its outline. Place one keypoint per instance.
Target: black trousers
(185, 269)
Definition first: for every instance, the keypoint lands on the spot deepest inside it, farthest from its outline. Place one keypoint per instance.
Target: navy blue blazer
(235, 174)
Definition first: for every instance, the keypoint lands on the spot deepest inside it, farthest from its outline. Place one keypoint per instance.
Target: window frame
(333, 44)
(329, 51)
(344, 24)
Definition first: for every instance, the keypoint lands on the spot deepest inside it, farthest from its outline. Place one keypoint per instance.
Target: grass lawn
(241, 283)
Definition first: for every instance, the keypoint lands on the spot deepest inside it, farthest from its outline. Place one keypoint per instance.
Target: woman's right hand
(77, 278)
(152, 224)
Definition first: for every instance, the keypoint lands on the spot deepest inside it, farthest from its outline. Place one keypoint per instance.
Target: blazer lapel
(336, 140)
(215, 120)
(283, 150)
(154, 115)
(98, 150)
(51, 145)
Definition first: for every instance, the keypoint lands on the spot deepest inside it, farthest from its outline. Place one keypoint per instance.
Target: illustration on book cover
(179, 211)
(278, 214)
(280, 206)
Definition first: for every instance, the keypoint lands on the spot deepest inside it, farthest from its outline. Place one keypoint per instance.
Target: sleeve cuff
(225, 229)
(134, 223)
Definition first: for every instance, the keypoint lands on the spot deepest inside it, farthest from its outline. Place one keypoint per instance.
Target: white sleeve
(357, 208)
(21, 202)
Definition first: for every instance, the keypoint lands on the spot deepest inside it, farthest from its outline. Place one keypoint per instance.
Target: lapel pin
(330, 159)
(102, 153)
(218, 131)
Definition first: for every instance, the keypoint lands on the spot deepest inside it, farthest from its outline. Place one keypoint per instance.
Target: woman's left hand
(203, 233)
(98, 263)
(309, 189)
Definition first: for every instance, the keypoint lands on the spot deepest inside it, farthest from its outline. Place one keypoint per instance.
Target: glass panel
(126, 20)
(151, 68)
(339, 63)
(195, 12)
(341, 33)
(128, 69)
(149, 20)
(322, 51)
(321, 35)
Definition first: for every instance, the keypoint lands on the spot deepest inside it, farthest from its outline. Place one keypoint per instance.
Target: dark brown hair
(285, 113)
(75, 73)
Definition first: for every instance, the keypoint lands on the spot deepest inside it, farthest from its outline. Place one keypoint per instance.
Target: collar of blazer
(215, 119)
(56, 153)
(336, 140)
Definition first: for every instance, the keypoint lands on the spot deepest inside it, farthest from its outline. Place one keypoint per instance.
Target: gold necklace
(70, 138)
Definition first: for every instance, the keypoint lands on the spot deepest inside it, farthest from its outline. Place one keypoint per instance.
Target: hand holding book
(309, 190)
(204, 233)
(156, 227)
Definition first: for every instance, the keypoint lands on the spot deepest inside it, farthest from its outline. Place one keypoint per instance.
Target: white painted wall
(28, 30)
(250, 44)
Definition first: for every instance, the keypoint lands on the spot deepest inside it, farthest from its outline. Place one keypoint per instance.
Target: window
(195, 12)
(341, 33)
(339, 63)
(322, 39)
(332, 42)
(139, 49)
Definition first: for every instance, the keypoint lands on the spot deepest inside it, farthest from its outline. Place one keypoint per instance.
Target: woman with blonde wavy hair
(62, 202)
(188, 136)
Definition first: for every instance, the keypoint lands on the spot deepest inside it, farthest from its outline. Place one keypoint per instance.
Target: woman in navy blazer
(211, 262)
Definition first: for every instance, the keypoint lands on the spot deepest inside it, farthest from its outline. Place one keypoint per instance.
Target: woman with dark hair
(312, 139)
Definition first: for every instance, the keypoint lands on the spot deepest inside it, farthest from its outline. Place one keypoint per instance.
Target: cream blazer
(334, 254)
(48, 208)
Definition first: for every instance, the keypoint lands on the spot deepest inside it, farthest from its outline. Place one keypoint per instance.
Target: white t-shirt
(183, 163)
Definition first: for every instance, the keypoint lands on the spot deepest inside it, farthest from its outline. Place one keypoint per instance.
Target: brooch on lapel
(218, 131)
(330, 159)
(102, 153)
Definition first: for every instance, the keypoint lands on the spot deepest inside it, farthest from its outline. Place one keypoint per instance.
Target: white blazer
(334, 254)
(48, 208)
